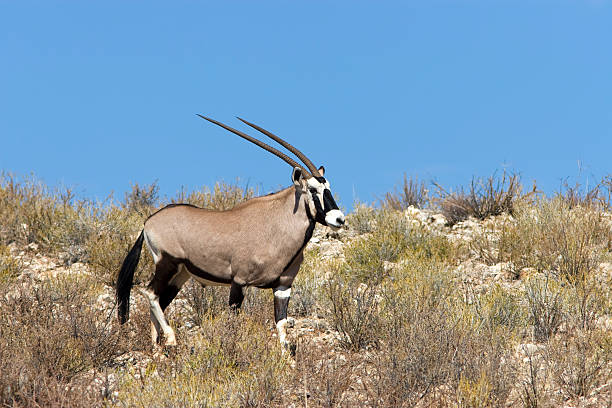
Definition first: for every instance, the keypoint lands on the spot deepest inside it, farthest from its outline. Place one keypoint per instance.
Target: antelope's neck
(298, 219)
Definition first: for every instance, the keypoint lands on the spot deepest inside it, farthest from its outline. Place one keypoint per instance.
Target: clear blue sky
(100, 94)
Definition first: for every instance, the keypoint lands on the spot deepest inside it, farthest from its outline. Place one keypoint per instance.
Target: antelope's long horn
(263, 145)
(289, 147)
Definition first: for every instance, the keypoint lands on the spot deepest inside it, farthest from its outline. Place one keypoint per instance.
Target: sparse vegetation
(510, 309)
(598, 197)
(484, 198)
(412, 193)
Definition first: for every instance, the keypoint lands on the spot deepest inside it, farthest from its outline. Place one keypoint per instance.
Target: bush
(307, 293)
(393, 238)
(545, 305)
(323, 378)
(580, 362)
(202, 302)
(485, 198)
(597, 197)
(229, 362)
(117, 232)
(499, 309)
(362, 219)
(24, 209)
(499, 241)
(52, 335)
(548, 235)
(436, 349)
(417, 353)
(412, 193)
(571, 242)
(354, 311)
(141, 199)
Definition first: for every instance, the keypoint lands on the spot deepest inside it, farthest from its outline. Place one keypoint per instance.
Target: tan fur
(251, 244)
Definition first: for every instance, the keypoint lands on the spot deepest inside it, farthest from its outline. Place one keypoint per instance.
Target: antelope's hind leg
(166, 283)
(236, 297)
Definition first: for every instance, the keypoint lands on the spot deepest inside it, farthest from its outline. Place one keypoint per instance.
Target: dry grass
(598, 197)
(411, 193)
(222, 196)
(10, 268)
(393, 323)
(548, 235)
(362, 219)
(484, 198)
(231, 361)
(52, 337)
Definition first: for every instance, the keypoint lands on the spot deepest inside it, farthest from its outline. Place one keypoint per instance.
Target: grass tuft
(484, 198)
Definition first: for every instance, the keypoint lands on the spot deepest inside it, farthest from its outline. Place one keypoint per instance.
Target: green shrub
(498, 309)
(393, 238)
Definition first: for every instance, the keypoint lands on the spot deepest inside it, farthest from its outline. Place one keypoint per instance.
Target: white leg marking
(282, 292)
(155, 331)
(282, 334)
(158, 318)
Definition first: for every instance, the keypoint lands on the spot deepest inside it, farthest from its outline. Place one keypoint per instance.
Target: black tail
(126, 279)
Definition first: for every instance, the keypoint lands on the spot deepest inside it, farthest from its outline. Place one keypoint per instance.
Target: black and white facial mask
(327, 212)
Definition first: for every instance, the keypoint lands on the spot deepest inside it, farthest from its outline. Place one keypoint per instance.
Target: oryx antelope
(257, 243)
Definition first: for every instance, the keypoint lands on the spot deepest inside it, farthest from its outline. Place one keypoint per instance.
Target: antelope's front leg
(281, 301)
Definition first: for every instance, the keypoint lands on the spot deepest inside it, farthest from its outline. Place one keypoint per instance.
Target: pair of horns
(313, 170)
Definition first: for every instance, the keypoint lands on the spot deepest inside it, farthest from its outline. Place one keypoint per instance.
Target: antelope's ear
(322, 171)
(297, 176)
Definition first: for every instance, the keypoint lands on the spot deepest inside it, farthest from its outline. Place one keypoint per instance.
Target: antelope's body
(258, 243)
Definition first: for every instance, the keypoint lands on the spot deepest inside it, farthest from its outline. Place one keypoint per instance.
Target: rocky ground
(471, 272)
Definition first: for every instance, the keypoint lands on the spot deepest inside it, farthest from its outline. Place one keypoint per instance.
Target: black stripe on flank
(203, 274)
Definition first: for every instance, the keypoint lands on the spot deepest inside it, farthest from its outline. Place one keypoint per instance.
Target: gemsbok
(257, 243)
